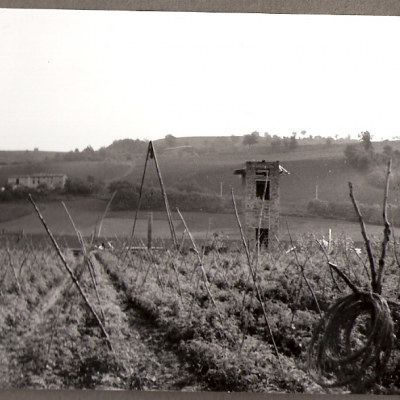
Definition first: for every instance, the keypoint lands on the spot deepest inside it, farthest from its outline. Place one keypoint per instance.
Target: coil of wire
(352, 344)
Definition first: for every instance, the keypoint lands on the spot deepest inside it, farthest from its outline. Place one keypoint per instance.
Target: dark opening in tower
(262, 236)
(261, 190)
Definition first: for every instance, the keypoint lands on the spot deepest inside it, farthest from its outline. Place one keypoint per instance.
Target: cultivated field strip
(31, 283)
(232, 353)
(151, 365)
(53, 342)
(175, 321)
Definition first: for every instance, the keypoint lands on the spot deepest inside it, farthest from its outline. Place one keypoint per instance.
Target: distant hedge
(371, 213)
(127, 194)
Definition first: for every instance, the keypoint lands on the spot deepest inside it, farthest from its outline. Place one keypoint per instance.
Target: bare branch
(366, 239)
(330, 267)
(386, 232)
(344, 277)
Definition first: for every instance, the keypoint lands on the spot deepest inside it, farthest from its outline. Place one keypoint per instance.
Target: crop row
(215, 320)
(225, 325)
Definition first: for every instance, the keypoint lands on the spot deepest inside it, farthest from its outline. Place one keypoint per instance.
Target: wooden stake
(206, 283)
(105, 213)
(164, 194)
(149, 229)
(254, 280)
(14, 271)
(77, 284)
(88, 260)
(140, 196)
(302, 272)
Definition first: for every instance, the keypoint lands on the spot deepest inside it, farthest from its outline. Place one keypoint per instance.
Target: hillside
(308, 169)
(309, 166)
(17, 157)
(101, 171)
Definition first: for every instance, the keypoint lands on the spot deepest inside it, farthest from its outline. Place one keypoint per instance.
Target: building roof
(242, 171)
(39, 175)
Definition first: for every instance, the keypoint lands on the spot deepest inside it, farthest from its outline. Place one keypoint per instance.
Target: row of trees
(276, 141)
(254, 138)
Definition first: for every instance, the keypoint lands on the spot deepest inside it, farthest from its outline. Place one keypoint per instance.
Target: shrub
(358, 157)
(127, 197)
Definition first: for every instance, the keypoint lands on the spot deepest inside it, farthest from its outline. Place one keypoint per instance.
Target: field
(87, 214)
(308, 168)
(209, 317)
(162, 320)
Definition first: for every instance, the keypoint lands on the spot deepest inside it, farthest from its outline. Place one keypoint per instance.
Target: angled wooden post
(140, 193)
(149, 229)
(153, 155)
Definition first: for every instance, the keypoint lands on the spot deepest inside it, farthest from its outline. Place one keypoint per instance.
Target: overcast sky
(69, 79)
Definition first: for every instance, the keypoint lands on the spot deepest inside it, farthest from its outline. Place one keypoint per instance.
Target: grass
(88, 212)
(9, 212)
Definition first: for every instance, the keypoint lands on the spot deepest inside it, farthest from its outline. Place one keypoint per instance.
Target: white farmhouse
(52, 181)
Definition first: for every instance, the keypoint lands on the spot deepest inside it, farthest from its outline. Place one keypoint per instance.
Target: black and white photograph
(199, 202)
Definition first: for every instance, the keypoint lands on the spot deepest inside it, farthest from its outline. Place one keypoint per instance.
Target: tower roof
(242, 171)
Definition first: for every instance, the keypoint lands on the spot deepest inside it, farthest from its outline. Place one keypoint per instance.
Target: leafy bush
(79, 187)
(358, 157)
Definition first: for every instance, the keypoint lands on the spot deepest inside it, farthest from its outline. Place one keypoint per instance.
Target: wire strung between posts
(353, 342)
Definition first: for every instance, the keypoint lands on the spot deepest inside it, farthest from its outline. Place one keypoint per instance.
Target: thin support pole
(254, 280)
(72, 275)
(14, 271)
(105, 213)
(261, 218)
(152, 153)
(87, 259)
(140, 194)
(303, 273)
(200, 260)
(149, 229)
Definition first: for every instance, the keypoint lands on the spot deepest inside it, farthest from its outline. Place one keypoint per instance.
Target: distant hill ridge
(310, 165)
